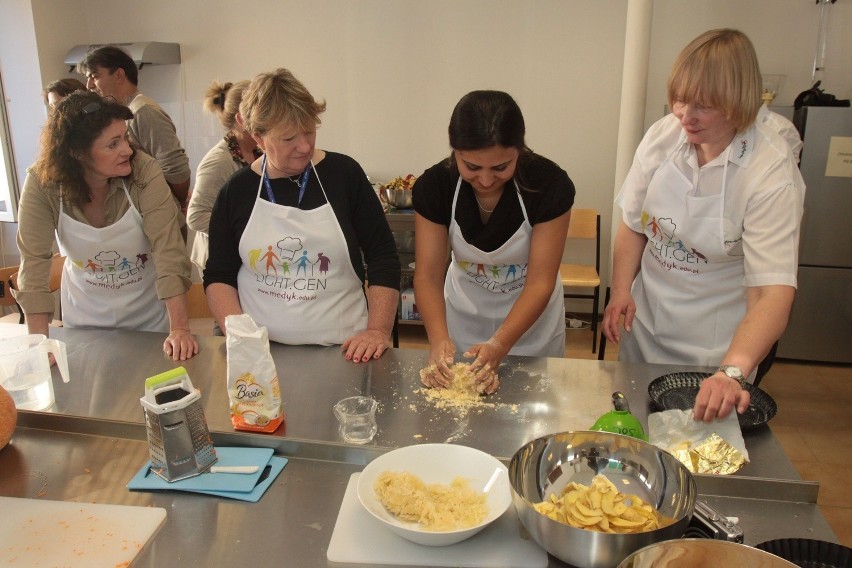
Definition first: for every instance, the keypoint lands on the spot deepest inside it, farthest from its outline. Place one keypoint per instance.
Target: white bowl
(438, 463)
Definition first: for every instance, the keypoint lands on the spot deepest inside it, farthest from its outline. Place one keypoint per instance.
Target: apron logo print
(286, 251)
(287, 265)
(109, 268)
(663, 230)
(493, 276)
(111, 262)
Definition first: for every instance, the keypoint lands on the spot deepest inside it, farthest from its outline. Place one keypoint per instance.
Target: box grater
(178, 437)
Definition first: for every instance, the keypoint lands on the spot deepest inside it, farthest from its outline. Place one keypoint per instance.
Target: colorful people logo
(324, 263)
(270, 257)
(302, 264)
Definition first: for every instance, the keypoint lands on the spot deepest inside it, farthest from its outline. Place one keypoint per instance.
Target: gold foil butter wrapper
(712, 455)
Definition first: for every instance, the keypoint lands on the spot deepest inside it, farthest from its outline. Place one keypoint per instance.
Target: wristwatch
(734, 372)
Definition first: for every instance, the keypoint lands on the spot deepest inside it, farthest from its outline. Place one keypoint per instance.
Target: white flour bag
(253, 390)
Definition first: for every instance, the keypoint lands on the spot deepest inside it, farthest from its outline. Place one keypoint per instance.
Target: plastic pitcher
(25, 369)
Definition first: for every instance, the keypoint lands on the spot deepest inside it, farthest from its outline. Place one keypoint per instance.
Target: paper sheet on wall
(839, 163)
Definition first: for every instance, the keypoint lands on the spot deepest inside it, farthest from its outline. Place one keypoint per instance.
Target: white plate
(438, 463)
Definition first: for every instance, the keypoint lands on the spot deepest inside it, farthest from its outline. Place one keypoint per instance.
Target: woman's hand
(180, 345)
(619, 304)
(487, 357)
(366, 345)
(718, 396)
(438, 373)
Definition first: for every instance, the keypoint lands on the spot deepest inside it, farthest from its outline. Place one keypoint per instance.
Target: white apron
(481, 287)
(689, 293)
(296, 277)
(109, 279)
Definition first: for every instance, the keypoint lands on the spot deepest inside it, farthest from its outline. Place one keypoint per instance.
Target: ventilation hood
(142, 52)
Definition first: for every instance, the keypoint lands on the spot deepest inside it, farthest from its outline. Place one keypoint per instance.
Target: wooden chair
(197, 306)
(55, 283)
(602, 346)
(585, 224)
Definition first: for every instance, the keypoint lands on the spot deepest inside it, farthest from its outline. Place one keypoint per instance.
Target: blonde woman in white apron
(114, 220)
(503, 212)
(704, 265)
(288, 234)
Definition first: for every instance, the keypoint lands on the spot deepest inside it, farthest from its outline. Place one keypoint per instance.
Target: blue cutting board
(206, 482)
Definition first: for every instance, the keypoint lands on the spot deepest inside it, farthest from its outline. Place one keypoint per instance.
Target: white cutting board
(39, 533)
(360, 538)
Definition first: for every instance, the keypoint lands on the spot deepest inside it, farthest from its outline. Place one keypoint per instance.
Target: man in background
(110, 71)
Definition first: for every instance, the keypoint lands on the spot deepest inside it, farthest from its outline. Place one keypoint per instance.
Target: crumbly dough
(436, 507)
(462, 392)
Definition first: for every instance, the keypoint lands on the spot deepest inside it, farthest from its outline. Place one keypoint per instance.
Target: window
(8, 177)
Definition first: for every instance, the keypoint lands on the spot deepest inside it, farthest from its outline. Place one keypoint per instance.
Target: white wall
(391, 70)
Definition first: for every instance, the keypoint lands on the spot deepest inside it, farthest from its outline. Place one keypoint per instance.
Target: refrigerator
(820, 327)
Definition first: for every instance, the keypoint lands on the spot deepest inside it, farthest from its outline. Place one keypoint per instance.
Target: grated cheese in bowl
(413, 479)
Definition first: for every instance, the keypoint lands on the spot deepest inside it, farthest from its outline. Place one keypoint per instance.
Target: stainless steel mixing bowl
(546, 465)
(399, 198)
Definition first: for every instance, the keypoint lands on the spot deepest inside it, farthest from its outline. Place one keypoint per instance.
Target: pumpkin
(8, 417)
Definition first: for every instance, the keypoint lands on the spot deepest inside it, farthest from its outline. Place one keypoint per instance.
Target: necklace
(481, 207)
(300, 181)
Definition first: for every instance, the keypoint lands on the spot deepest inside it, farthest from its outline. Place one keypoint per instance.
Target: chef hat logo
(107, 257)
(288, 247)
(667, 227)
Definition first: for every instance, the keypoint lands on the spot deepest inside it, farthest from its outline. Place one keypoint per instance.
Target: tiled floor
(814, 402)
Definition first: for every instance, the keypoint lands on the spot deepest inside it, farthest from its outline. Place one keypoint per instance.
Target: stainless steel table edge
(758, 488)
(732, 486)
(287, 447)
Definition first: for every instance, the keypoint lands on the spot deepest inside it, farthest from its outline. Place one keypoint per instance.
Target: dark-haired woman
(113, 217)
(503, 211)
(55, 91)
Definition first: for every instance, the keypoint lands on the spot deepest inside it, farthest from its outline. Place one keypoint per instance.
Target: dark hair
(483, 119)
(62, 87)
(112, 58)
(67, 137)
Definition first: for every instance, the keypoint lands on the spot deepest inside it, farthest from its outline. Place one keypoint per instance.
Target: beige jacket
(38, 219)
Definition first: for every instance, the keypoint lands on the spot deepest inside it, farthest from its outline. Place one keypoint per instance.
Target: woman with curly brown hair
(112, 214)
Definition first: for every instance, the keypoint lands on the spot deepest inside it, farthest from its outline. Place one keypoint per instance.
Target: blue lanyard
(303, 182)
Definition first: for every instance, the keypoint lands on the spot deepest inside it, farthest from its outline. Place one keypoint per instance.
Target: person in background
(59, 89)
(236, 150)
(115, 221)
(293, 236)
(503, 211)
(111, 72)
(704, 263)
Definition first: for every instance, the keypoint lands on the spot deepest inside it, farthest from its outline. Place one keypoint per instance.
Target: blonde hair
(719, 69)
(224, 101)
(278, 99)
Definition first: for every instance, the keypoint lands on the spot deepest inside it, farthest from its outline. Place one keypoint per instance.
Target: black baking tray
(678, 391)
(808, 553)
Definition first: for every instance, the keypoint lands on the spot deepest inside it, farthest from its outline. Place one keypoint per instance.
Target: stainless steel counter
(91, 442)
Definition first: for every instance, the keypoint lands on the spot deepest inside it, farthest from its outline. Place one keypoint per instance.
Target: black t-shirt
(358, 211)
(547, 192)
